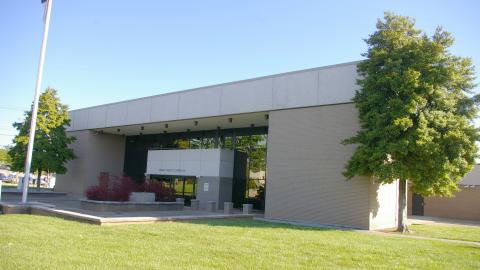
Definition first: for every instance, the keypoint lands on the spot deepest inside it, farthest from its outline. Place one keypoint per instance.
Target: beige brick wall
(305, 159)
(95, 153)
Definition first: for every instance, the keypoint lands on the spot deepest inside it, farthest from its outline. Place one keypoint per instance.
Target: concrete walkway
(442, 221)
(69, 207)
(395, 234)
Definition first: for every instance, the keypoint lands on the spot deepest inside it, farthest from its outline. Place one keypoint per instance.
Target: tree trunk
(402, 206)
(39, 176)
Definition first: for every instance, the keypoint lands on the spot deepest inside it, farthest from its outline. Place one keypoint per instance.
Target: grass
(9, 185)
(32, 187)
(465, 233)
(36, 242)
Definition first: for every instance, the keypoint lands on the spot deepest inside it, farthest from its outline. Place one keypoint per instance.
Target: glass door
(185, 187)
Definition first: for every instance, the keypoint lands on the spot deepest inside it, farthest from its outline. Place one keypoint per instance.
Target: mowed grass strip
(465, 233)
(36, 242)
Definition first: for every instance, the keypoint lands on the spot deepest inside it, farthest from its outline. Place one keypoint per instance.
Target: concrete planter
(194, 204)
(110, 206)
(247, 208)
(142, 197)
(211, 206)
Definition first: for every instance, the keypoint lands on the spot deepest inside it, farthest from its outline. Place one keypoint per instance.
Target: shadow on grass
(256, 224)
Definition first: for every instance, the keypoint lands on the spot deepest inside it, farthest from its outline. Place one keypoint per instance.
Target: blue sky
(106, 51)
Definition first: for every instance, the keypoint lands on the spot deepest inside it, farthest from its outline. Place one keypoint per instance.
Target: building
(276, 141)
(464, 205)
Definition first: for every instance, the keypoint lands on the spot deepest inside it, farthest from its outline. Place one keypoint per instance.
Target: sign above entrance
(193, 162)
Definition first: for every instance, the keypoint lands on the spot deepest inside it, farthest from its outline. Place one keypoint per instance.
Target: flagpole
(38, 84)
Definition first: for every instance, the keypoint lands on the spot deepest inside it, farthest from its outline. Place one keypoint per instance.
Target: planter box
(142, 197)
(110, 206)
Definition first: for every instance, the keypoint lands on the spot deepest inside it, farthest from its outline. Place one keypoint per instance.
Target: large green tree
(50, 149)
(416, 112)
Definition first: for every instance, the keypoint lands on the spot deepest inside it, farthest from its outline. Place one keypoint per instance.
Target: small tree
(5, 158)
(416, 112)
(50, 149)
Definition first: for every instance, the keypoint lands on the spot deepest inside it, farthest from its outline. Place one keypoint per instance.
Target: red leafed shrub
(111, 188)
(162, 193)
(97, 193)
(114, 188)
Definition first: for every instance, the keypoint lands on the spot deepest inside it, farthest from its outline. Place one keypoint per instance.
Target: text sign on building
(191, 162)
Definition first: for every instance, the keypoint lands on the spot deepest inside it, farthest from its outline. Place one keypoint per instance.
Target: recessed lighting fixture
(142, 128)
(195, 123)
(230, 120)
(166, 125)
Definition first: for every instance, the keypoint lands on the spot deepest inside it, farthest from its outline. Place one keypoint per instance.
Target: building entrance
(184, 186)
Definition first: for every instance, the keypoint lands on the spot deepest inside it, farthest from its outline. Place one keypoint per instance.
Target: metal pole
(33, 120)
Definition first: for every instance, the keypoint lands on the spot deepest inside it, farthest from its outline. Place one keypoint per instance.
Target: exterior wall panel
(199, 104)
(97, 117)
(138, 111)
(95, 153)
(337, 83)
(164, 107)
(313, 87)
(383, 205)
(117, 114)
(250, 96)
(465, 205)
(305, 159)
(295, 90)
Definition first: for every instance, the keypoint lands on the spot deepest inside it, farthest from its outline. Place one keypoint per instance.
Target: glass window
(182, 144)
(208, 143)
(190, 186)
(196, 143)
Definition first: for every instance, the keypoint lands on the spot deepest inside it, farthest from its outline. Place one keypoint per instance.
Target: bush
(162, 193)
(111, 188)
(96, 193)
(114, 188)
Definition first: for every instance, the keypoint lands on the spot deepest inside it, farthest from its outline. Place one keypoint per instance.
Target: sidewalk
(442, 221)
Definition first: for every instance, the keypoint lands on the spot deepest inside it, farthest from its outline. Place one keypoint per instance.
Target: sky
(106, 51)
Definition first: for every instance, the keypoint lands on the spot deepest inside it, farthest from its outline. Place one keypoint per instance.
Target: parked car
(3, 177)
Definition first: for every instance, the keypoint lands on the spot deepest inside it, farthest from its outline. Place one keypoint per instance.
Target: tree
(416, 112)
(50, 149)
(5, 158)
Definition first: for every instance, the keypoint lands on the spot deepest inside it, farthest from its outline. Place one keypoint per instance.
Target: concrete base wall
(96, 153)
(305, 160)
(109, 206)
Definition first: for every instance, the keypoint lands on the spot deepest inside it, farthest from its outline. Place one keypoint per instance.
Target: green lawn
(447, 232)
(35, 242)
(14, 186)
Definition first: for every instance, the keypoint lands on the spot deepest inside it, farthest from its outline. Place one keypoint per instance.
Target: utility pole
(33, 120)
